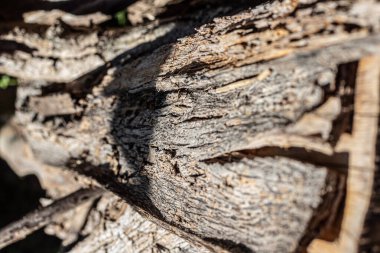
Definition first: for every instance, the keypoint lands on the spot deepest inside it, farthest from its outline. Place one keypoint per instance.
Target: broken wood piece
(31, 222)
(362, 145)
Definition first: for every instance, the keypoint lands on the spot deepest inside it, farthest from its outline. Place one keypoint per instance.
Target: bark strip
(35, 220)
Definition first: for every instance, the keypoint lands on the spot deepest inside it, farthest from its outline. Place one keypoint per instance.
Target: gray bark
(232, 137)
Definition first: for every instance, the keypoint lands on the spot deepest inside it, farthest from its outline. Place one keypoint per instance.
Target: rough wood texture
(229, 137)
(61, 53)
(124, 230)
(108, 224)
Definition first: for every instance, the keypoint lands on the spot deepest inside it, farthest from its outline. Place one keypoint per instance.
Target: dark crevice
(15, 9)
(307, 5)
(336, 162)
(327, 219)
(345, 88)
(183, 8)
(198, 119)
(7, 104)
(78, 88)
(229, 245)
(10, 46)
(19, 196)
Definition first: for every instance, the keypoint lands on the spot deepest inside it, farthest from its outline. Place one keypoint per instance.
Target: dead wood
(256, 132)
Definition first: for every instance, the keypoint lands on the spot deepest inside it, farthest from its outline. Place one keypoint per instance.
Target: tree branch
(37, 219)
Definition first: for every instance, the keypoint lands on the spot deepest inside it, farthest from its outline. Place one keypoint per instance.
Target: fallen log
(257, 133)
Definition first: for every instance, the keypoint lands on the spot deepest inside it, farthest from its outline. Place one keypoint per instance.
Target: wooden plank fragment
(361, 145)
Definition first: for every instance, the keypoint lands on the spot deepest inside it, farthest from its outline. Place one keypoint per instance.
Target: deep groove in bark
(337, 162)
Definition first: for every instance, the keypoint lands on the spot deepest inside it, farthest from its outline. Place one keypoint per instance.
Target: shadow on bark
(137, 110)
(139, 104)
(135, 115)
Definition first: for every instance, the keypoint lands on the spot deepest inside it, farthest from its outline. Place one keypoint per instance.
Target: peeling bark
(232, 137)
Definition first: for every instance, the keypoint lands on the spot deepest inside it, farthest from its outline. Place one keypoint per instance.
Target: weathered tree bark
(256, 132)
(108, 225)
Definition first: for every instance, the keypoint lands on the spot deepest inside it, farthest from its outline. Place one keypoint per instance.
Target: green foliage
(121, 18)
(6, 81)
